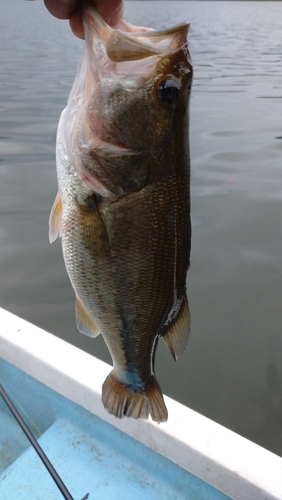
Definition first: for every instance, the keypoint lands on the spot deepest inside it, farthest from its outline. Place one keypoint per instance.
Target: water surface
(231, 370)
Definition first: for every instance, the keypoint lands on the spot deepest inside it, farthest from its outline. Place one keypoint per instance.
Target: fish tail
(119, 400)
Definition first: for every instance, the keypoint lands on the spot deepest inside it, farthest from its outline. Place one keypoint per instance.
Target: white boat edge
(232, 464)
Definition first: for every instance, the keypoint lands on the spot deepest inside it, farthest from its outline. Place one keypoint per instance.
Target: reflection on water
(231, 371)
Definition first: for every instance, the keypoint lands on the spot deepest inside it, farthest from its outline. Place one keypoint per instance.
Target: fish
(123, 203)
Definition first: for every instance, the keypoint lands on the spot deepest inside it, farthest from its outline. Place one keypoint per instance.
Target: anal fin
(119, 400)
(176, 338)
(84, 322)
(55, 219)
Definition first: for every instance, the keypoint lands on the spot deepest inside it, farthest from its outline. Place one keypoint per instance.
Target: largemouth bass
(123, 205)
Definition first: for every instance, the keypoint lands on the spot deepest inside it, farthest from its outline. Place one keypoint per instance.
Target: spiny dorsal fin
(84, 322)
(55, 219)
(120, 401)
(176, 338)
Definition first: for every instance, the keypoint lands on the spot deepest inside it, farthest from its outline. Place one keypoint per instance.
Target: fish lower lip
(114, 147)
(108, 144)
(122, 145)
(102, 136)
(117, 144)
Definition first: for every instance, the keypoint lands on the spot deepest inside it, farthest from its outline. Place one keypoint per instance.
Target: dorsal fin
(55, 219)
(176, 338)
(84, 322)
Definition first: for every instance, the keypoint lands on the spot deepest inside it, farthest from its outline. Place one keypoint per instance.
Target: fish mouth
(127, 43)
(127, 56)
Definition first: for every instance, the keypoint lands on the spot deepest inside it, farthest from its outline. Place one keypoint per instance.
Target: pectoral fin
(176, 338)
(84, 322)
(55, 219)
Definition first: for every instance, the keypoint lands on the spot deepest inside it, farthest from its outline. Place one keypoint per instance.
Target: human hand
(110, 10)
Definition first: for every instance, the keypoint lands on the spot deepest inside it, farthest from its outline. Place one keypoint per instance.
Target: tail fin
(120, 401)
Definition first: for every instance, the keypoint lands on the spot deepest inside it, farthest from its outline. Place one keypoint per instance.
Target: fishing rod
(55, 476)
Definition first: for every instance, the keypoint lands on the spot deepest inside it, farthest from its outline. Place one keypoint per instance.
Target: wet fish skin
(123, 209)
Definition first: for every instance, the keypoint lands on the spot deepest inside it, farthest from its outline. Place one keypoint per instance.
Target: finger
(110, 10)
(76, 24)
(62, 9)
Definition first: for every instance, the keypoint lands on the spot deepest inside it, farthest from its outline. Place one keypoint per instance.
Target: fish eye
(168, 91)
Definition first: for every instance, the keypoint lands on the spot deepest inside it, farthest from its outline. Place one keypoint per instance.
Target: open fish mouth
(116, 65)
(127, 43)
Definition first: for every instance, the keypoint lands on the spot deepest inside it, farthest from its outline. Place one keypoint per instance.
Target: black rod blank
(66, 494)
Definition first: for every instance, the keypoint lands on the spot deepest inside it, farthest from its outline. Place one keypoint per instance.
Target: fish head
(131, 98)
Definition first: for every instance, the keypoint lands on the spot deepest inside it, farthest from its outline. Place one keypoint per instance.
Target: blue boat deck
(91, 456)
